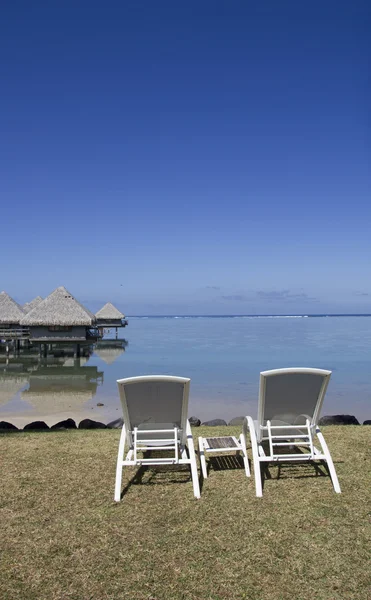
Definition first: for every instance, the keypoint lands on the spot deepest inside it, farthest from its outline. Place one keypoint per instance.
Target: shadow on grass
(225, 462)
(158, 474)
(180, 474)
(295, 469)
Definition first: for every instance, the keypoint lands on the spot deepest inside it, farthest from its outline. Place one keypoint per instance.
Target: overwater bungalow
(109, 317)
(30, 305)
(10, 312)
(60, 318)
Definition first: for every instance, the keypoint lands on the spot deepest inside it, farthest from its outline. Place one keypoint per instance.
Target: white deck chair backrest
(154, 402)
(291, 396)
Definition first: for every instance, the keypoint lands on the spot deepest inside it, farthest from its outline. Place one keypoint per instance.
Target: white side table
(227, 443)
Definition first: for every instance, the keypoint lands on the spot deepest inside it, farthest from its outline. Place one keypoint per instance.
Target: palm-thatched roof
(108, 311)
(59, 308)
(10, 312)
(30, 305)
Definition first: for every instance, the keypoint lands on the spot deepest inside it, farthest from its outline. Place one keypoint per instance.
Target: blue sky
(187, 157)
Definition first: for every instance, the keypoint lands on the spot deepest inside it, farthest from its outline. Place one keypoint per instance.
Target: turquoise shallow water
(222, 356)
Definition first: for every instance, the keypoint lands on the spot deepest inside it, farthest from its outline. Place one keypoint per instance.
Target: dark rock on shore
(8, 427)
(338, 420)
(215, 423)
(89, 424)
(194, 421)
(66, 424)
(368, 422)
(36, 426)
(116, 424)
(237, 421)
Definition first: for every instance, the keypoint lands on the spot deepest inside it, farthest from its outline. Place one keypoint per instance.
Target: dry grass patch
(63, 537)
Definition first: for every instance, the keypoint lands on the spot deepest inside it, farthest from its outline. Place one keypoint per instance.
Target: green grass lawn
(63, 536)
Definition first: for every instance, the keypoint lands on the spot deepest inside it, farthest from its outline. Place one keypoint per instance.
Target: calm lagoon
(222, 355)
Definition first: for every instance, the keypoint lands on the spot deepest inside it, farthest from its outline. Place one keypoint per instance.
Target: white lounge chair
(290, 402)
(155, 410)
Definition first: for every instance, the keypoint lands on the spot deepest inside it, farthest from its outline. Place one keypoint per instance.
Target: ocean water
(223, 356)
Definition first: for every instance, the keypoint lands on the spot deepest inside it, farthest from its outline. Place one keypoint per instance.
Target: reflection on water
(109, 350)
(9, 386)
(58, 383)
(59, 388)
(222, 357)
(14, 375)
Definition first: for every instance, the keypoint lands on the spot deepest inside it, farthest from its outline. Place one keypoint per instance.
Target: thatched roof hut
(10, 311)
(30, 305)
(109, 313)
(59, 308)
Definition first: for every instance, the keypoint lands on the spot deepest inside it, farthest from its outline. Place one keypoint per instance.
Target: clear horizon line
(252, 315)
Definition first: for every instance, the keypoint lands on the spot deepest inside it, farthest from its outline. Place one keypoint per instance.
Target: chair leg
(201, 452)
(255, 455)
(258, 478)
(245, 457)
(194, 471)
(330, 463)
(192, 456)
(119, 467)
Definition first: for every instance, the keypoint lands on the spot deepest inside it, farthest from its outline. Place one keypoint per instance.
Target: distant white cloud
(288, 295)
(237, 298)
(269, 296)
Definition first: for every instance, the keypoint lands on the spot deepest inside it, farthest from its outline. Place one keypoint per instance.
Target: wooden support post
(45, 353)
(117, 332)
